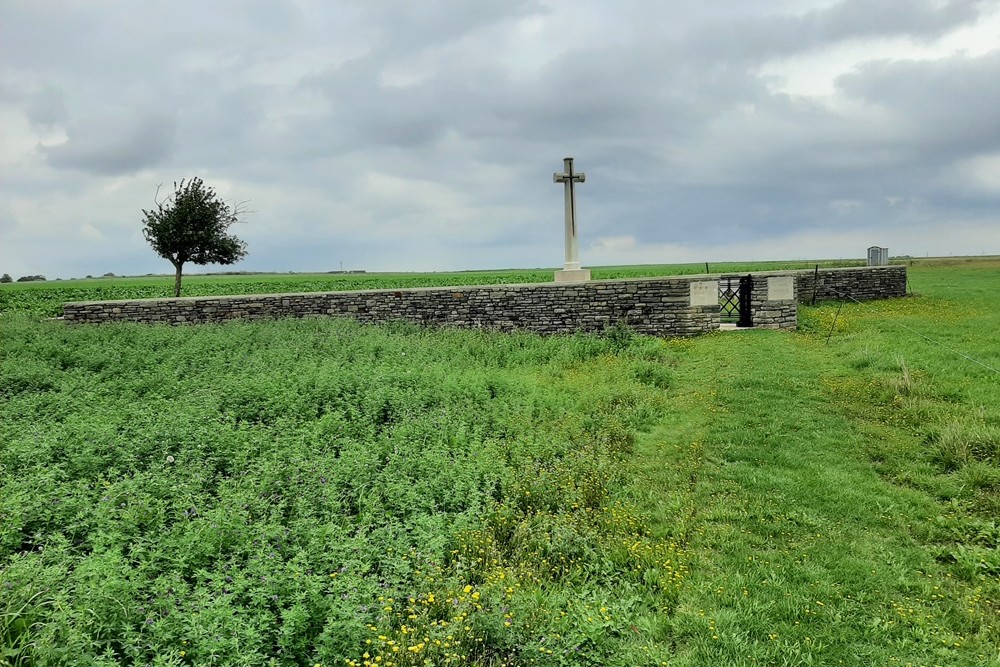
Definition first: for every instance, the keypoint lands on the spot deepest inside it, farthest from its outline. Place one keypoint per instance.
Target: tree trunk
(177, 277)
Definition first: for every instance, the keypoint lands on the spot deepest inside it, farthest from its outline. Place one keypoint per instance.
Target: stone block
(572, 276)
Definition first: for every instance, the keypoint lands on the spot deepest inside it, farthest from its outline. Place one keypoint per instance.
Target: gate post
(746, 298)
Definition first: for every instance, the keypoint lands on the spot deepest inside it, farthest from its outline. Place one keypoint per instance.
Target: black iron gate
(734, 300)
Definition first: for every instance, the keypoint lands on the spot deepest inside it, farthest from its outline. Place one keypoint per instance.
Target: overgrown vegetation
(317, 492)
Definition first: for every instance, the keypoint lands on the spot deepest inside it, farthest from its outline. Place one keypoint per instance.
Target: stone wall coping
(789, 272)
(404, 290)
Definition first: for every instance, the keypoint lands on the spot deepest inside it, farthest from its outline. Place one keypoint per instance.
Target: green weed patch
(317, 492)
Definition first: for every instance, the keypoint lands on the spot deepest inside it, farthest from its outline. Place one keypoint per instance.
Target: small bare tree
(193, 226)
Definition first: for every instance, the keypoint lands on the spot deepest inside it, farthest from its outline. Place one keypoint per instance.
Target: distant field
(46, 298)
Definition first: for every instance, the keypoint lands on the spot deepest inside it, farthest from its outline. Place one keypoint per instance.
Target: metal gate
(734, 300)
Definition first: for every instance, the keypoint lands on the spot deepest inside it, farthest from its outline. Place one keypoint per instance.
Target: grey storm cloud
(113, 145)
(46, 107)
(369, 129)
(752, 38)
(949, 105)
(407, 26)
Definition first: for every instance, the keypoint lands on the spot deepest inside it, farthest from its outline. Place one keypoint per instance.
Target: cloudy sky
(397, 134)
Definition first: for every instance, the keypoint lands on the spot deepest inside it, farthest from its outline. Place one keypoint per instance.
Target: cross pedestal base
(573, 276)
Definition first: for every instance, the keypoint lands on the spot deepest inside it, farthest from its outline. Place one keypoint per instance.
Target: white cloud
(90, 232)
(846, 206)
(980, 174)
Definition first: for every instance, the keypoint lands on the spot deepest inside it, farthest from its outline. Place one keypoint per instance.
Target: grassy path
(800, 553)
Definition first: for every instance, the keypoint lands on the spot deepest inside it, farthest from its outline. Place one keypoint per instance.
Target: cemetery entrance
(734, 300)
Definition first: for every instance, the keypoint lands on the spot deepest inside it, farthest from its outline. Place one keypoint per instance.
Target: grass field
(312, 492)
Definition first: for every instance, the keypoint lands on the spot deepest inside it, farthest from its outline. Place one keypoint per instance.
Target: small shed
(878, 256)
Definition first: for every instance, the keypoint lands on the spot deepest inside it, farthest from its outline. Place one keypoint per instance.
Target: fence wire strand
(918, 333)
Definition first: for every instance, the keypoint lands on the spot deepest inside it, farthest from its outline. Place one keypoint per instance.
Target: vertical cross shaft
(569, 179)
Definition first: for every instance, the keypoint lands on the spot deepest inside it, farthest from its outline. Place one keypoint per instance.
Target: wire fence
(900, 325)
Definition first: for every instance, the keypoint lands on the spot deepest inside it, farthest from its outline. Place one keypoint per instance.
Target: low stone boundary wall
(861, 283)
(669, 306)
(655, 306)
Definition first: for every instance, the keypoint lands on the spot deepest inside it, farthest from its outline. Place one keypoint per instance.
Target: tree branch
(159, 204)
(241, 208)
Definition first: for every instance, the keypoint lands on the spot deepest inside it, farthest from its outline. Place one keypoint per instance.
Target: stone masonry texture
(656, 306)
(863, 283)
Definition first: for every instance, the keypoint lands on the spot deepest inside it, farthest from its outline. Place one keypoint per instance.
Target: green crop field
(317, 492)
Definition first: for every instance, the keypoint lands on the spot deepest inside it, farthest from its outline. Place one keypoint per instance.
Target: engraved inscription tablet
(705, 293)
(780, 288)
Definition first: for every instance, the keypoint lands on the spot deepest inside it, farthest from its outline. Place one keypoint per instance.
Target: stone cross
(571, 271)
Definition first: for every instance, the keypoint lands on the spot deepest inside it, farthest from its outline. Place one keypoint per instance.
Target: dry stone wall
(773, 302)
(862, 283)
(660, 307)
(672, 306)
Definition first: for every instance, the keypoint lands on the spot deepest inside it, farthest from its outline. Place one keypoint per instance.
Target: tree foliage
(192, 225)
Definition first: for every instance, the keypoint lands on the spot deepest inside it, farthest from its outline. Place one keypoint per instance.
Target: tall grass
(315, 491)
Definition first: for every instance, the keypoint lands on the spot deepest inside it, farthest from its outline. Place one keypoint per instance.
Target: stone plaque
(780, 288)
(705, 293)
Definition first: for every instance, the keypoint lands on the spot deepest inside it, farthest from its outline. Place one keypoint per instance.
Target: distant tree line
(5, 278)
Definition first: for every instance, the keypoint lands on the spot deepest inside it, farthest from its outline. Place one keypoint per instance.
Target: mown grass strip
(801, 552)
